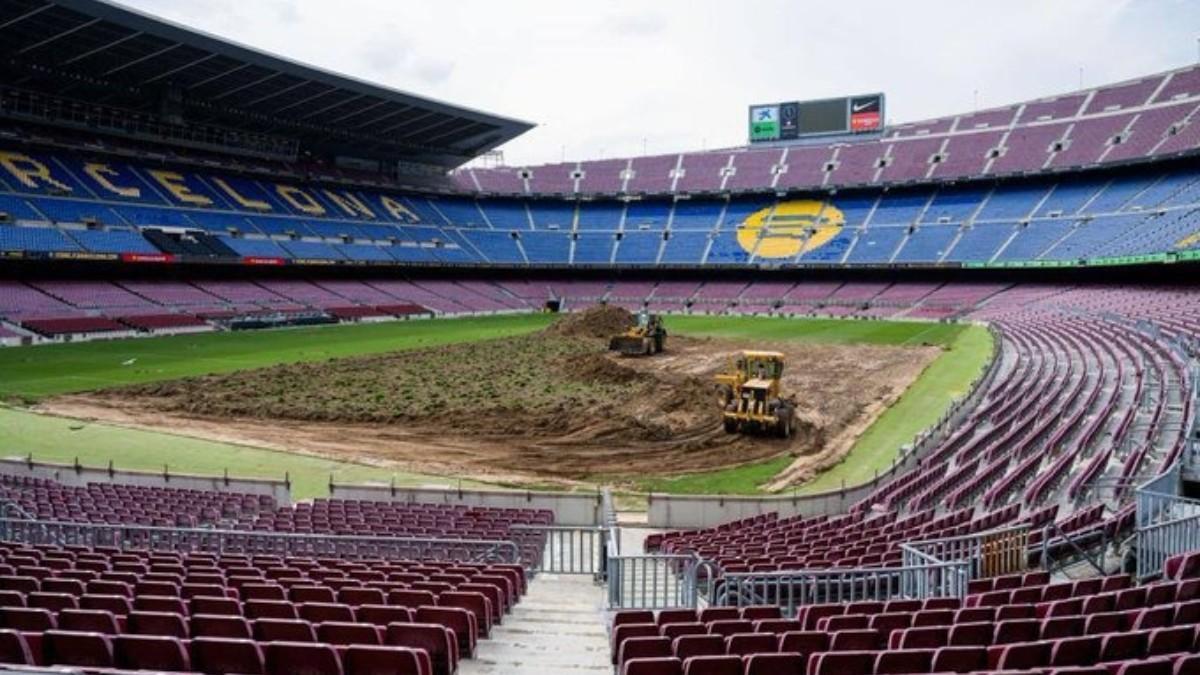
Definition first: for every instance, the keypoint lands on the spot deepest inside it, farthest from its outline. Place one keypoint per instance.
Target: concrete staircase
(558, 627)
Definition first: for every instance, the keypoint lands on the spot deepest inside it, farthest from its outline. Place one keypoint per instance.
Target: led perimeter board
(827, 117)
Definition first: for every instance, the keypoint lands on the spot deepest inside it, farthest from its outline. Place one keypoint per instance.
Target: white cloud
(601, 77)
(637, 24)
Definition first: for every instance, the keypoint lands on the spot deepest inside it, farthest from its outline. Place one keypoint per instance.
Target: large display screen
(799, 119)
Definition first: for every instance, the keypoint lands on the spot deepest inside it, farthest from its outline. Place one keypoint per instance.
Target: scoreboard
(801, 119)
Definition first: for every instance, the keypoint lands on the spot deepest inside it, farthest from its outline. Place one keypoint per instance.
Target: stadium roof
(101, 52)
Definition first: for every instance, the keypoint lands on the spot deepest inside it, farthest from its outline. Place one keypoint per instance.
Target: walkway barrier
(792, 590)
(989, 554)
(123, 537)
(657, 581)
(1167, 524)
(566, 550)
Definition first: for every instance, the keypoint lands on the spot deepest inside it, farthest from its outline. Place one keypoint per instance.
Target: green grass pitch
(30, 373)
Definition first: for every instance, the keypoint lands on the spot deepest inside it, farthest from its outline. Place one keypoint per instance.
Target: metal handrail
(790, 590)
(1073, 540)
(567, 549)
(654, 581)
(253, 541)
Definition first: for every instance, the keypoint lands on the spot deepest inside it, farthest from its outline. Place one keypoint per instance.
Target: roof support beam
(147, 57)
(59, 36)
(331, 106)
(457, 135)
(101, 48)
(306, 99)
(358, 112)
(245, 86)
(189, 64)
(425, 115)
(403, 109)
(433, 125)
(280, 92)
(26, 15)
(218, 76)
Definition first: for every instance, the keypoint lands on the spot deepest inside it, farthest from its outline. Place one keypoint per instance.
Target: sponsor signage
(147, 258)
(827, 117)
(866, 113)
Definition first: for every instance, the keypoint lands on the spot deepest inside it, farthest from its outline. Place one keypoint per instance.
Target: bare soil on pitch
(552, 407)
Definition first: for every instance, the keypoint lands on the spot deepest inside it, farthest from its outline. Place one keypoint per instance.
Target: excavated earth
(553, 406)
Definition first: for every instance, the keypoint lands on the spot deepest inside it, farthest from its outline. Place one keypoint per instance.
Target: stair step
(559, 627)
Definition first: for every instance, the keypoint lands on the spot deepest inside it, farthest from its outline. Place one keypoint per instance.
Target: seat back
(227, 655)
(302, 657)
(213, 605)
(664, 665)
(28, 619)
(215, 625)
(157, 623)
(88, 621)
(904, 661)
(382, 615)
(713, 665)
(66, 648)
(688, 646)
(14, 649)
(151, 652)
(283, 630)
(340, 633)
(841, 663)
(375, 660)
(434, 639)
(269, 609)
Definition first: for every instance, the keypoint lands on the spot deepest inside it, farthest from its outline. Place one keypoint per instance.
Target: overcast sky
(609, 78)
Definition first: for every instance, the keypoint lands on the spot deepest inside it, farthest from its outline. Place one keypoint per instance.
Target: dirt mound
(553, 405)
(601, 321)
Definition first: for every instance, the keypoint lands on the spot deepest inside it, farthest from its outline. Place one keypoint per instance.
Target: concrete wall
(700, 511)
(570, 508)
(78, 476)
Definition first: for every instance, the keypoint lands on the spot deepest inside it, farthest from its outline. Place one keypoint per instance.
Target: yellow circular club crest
(788, 229)
(1188, 241)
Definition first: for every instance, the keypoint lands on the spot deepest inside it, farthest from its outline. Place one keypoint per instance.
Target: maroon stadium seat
(225, 655)
(65, 648)
(666, 665)
(14, 649)
(289, 658)
(151, 652)
(436, 640)
(371, 660)
(688, 646)
(713, 665)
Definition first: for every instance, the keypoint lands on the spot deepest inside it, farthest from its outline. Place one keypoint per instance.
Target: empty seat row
(214, 655)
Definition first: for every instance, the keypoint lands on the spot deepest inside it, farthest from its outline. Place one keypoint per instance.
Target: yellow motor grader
(645, 338)
(750, 396)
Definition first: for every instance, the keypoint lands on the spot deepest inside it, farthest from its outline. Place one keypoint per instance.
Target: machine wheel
(731, 426)
(724, 395)
(786, 415)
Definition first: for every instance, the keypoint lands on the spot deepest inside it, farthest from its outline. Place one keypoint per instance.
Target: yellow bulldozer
(645, 338)
(750, 396)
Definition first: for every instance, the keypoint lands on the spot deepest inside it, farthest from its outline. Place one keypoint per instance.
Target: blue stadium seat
(594, 247)
(546, 247)
(641, 248)
(46, 239)
(927, 243)
(113, 241)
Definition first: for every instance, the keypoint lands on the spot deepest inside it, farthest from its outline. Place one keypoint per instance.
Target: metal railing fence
(792, 590)
(199, 540)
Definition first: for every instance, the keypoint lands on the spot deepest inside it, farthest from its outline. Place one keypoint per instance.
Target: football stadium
(298, 376)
